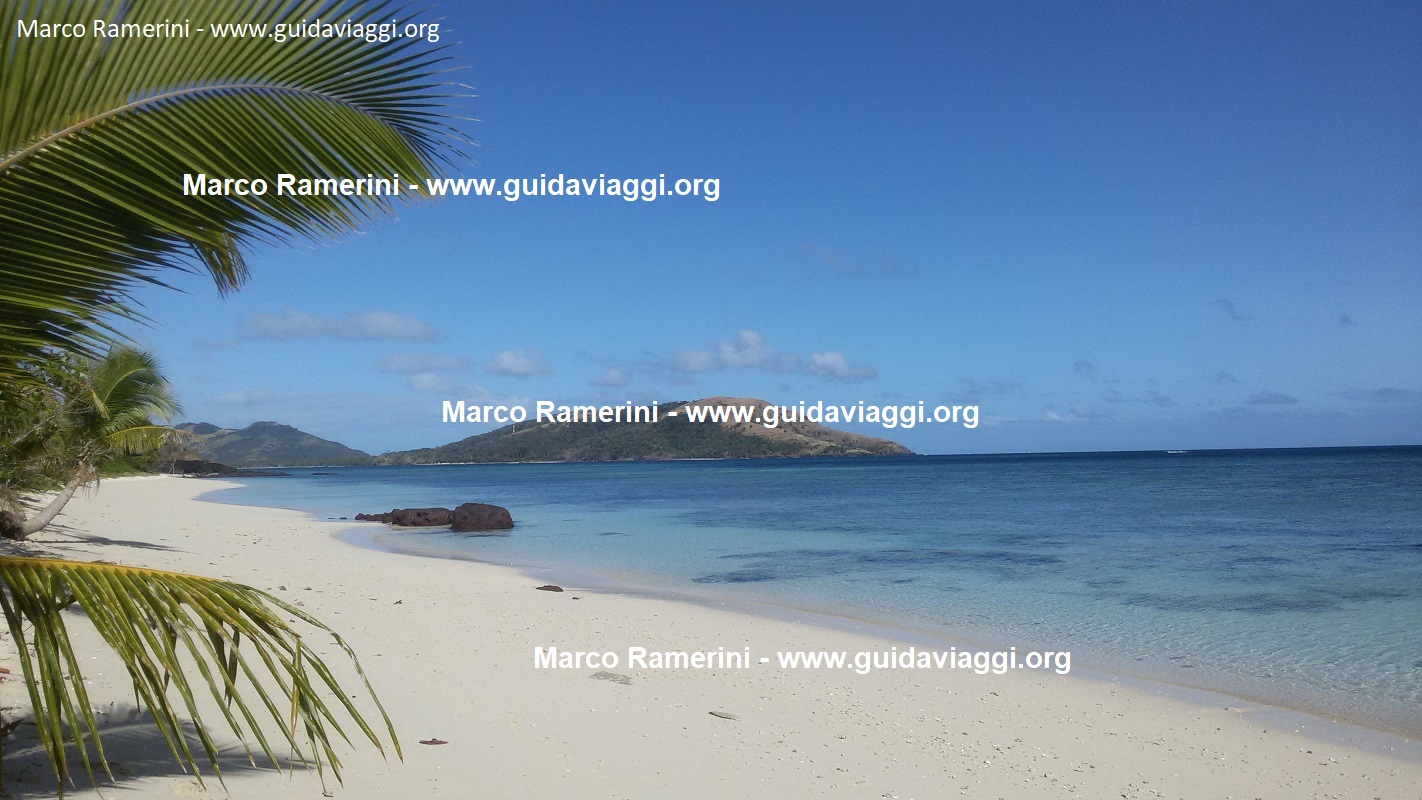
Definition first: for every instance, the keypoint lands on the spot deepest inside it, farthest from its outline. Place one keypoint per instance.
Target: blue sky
(1112, 226)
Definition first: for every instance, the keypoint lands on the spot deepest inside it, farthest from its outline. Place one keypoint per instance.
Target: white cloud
(748, 351)
(1076, 415)
(434, 382)
(613, 376)
(415, 363)
(518, 364)
(834, 366)
(695, 361)
(365, 325)
(448, 388)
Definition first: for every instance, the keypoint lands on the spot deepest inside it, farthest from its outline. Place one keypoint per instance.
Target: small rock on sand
(615, 677)
(548, 587)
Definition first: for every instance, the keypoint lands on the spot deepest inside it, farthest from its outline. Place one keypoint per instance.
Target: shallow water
(1292, 577)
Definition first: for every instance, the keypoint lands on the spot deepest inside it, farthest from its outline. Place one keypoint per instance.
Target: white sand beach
(449, 647)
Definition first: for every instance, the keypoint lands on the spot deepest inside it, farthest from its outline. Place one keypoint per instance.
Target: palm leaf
(96, 136)
(142, 438)
(158, 622)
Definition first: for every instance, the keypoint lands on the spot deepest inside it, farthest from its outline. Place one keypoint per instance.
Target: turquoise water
(1292, 577)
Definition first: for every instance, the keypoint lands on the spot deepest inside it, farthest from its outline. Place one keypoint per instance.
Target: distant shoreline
(1025, 456)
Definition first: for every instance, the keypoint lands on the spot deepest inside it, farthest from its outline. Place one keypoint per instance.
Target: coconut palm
(240, 646)
(29, 421)
(101, 408)
(96, 136)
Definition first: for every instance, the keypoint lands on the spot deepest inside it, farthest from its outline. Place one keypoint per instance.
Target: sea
(1288, 577)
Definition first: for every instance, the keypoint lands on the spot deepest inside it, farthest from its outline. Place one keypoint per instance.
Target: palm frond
(96, 136)
(128, 388)
(159, 621)
(80, 411)
(145, 438)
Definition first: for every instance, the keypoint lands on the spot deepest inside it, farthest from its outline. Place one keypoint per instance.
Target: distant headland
(672, 436)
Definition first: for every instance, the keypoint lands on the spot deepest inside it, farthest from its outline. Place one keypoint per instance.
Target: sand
(449, 647)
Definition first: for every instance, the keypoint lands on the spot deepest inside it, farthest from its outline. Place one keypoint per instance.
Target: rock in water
(421, 517)
(549, 587)
(481, 517)
(412, 517)
(467, 517)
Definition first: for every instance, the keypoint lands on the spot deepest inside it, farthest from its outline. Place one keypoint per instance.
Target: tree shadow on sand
(89, 538)
(69, 536)
(135, 749)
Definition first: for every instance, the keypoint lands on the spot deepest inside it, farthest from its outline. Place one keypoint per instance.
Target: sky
(1111, 226)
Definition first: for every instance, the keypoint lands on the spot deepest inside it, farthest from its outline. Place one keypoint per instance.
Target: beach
(449, 647)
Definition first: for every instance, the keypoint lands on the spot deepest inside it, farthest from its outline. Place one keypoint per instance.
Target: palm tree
(29, 420)
(103, 407)
(96, 136)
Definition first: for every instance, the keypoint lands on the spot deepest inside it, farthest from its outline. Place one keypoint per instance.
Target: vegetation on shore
(673, 436)
(96, 138)
(90, 412)
(271, 444)
(268, 444)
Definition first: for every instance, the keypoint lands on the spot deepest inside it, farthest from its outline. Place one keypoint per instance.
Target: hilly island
(672, 436)
(267, 444)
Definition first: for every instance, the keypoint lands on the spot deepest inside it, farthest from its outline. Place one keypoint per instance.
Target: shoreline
(1355, 733)
(1379, 732)
(447, 646)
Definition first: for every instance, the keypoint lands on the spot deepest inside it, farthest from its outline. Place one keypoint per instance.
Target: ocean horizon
(1289, 577)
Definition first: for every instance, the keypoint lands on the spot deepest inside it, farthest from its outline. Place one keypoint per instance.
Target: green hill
(269, 444)
(671, 437)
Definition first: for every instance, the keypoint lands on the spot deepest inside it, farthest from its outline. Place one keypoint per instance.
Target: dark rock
(548, 587)
(412, 517)
(467, 517)
(421, 517)
(482, 517)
